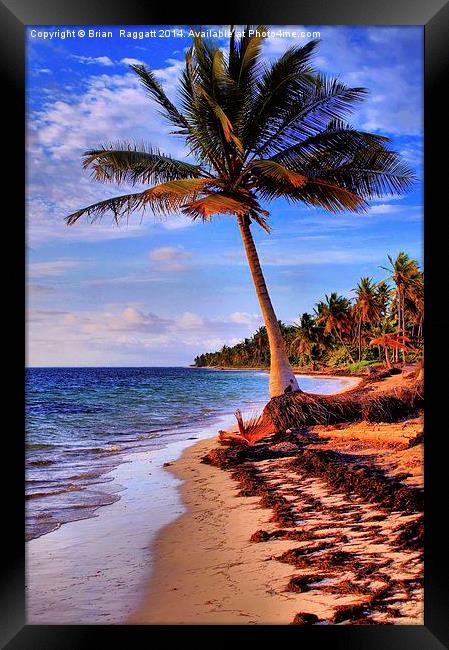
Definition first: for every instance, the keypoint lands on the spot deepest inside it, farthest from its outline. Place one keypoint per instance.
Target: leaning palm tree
(255, 131)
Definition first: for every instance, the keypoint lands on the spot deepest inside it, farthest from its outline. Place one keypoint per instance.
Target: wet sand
(291, 539)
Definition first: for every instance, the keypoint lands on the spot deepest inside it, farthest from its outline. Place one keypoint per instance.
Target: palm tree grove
(257, 131)
(381, 325)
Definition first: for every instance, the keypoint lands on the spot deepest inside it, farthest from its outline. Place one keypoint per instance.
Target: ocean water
(82, 422)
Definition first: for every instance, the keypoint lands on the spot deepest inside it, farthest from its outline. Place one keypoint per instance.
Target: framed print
(227, 222)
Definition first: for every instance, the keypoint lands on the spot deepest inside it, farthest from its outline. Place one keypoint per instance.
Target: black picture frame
(15, 15)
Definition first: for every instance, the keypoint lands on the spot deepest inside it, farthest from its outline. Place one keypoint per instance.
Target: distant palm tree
(261, 342)
(407, 277)
(367, 308)
(305, 338)
(390, 341)
(335, 315)
(383, 297)
(254, 130)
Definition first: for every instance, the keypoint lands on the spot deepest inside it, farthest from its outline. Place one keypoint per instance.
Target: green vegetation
(382, 324)
(360, 365)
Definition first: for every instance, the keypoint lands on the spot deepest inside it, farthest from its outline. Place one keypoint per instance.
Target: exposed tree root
(293, 410)
(298, 409)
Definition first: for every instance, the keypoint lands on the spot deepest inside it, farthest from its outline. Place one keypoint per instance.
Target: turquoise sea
(81, 423)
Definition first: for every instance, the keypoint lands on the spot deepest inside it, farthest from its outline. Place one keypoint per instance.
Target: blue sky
(159, 292)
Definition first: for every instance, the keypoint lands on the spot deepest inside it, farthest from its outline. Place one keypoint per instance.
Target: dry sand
(209, 572)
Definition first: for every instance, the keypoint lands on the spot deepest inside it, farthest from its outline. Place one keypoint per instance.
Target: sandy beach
(96, 568)
(293, 538)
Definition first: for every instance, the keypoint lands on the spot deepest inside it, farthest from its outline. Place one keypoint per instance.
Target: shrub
(359, 365)
(338, 357)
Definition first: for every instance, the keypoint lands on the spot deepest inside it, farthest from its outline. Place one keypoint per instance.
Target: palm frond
(373, 173)
(173, 196)
(205, 136)
(260, 219)
(325, 100)
(360, 163)
(118, 206)
(224, 121)
(126, 164)
(280, 174)
(316, 192)
(245, 65)
(214, 203)
(280, 84)
(338, 142)
(157, 93)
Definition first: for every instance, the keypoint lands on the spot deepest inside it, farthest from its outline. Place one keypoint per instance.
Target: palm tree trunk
(420, 376)
(281, 373)
(360, 339)
(337, 333)
(404, 328)
(396, 350)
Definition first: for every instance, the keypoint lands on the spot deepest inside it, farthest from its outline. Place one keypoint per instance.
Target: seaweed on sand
(371, 484)
(305, 618)
(301, 584)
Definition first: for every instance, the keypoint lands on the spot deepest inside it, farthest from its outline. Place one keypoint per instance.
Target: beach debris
(304, 618)
(284, 447)
(345, 613)
(372, 484)
(255, 428)
(417, 440)
(355, 499)
(301, 584)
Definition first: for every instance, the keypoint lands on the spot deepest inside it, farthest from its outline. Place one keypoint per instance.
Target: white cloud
(110, 107)
(131, 61)
(51, 269)
(133, 316)
(385, 208)
(169, 76)
(169, 258)
(168, 253)
(98, 60)
(127, 333)
(189, 320)
(243, 317)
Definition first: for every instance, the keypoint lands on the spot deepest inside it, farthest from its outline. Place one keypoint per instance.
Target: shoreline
(325, 372)
(112, 560)
(208, 571)
(95, 570)
(194, 572)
